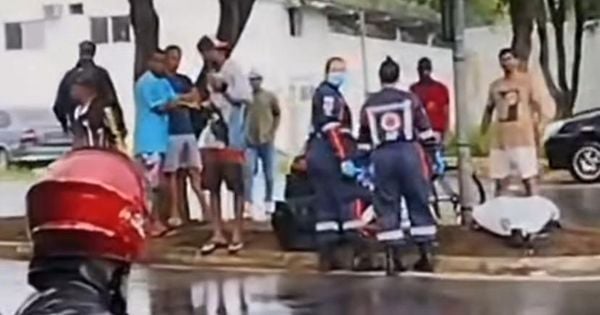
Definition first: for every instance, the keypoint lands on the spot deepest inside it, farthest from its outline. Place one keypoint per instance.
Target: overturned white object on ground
(503, 215)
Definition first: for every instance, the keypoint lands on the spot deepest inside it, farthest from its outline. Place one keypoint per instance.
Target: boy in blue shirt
(154, 98)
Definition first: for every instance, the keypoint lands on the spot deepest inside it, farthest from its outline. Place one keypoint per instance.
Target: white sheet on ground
(504, 214)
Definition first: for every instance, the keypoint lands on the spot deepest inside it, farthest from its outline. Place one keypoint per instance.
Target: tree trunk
(580, 18)
(544, 58)
(233, 19)
(557, 10)
(145, 24)
(229, 21)
(522, 15)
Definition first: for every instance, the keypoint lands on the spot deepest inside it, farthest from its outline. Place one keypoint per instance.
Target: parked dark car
(574, 144)
(30, 136)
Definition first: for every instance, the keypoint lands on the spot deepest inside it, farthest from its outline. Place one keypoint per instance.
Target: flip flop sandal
(175, 222)
(234, 248)
(211, 247)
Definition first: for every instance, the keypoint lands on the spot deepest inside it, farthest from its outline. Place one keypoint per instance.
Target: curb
(566, 266)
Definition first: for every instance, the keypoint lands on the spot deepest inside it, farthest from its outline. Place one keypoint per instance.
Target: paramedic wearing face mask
(392, 123)
(330, 143)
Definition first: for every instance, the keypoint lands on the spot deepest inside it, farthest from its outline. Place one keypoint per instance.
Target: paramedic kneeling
(392, 123)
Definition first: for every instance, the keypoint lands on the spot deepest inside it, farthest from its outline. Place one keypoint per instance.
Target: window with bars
(114, 29)
(24, 35)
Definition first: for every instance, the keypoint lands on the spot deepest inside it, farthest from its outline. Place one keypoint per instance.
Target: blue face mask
(337, 78)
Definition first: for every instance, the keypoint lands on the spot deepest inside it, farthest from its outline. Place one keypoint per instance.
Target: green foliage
(479, 12)
(478, 143)
(401, 8)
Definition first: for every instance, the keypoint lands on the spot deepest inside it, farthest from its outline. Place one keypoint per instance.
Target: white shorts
(521, 161)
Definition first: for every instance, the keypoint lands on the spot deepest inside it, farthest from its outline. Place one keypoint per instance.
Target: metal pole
(467, 192)
(363, 48)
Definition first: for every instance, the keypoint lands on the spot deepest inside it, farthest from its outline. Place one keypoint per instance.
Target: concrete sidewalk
(566, 253)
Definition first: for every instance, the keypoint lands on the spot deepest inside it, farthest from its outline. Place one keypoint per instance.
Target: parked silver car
(30, 136)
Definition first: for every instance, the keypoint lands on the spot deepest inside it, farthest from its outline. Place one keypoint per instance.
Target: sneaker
(248, 207)
(269, 207)
(393, 262)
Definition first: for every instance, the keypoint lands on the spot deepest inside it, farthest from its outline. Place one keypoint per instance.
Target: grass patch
(479, 144)
(18, 174)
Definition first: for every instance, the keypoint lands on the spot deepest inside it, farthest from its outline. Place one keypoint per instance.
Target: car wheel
(585, 163)
(4, 162)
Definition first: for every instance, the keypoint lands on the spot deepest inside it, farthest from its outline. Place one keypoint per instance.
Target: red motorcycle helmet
(90, 204)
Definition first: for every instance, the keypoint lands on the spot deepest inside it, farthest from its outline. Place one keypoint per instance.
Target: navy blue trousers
(336, 197)
(402, 172)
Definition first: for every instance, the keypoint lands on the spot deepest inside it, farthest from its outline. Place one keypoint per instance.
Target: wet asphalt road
(210, 292)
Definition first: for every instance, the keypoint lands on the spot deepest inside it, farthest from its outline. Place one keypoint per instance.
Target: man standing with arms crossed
(520, 106)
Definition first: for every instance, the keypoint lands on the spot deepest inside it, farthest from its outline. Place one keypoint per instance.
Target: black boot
(362, 254)
(363, 260)
(393, 261)
(425, 262)
(327, 258)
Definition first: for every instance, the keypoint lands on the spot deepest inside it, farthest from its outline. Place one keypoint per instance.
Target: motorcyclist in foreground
(393, 122)
(87, 226)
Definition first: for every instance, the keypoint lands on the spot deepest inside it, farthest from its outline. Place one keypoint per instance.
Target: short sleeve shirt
(151, 125)
(180, 122)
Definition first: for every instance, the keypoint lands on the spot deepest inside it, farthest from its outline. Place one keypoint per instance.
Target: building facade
(39, 40)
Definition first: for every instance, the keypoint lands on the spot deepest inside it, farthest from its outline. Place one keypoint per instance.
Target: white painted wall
(30, 77)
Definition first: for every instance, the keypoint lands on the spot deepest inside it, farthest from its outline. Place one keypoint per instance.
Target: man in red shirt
(434, 96)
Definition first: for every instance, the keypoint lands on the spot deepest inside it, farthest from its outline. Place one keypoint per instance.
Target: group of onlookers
(212, 131)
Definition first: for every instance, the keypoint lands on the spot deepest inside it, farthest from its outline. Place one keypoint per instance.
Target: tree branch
(557, 14)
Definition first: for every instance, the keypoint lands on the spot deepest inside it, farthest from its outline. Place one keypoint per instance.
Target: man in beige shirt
(520, 105)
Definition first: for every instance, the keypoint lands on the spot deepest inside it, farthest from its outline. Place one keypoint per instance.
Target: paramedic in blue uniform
(330, 143)
(394, 123)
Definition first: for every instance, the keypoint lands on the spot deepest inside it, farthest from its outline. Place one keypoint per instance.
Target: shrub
(479, 144)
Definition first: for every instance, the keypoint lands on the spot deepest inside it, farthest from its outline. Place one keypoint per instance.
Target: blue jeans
(266, 154)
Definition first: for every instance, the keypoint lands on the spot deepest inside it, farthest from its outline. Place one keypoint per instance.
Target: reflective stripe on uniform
(364, 146)
(330, 126)
(327, 226)
(353, 225)
(393, 235)
(427, 134)
(429, 230)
